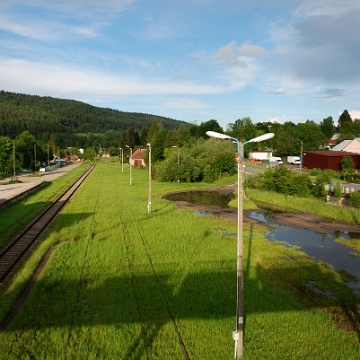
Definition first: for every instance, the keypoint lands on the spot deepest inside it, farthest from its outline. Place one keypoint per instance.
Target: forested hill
(42, 116)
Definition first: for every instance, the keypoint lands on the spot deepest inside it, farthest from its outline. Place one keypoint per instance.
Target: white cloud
(25, 76)
(237, 56)
(250, 50)
(355, 114)
(44, 30)
(186, 103)
(332, 93)
(277, 119)
(326, 7)
(275, 91)
(282, 49)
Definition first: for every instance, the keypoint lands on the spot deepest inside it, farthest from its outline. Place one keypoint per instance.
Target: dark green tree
(344, 117)
(327, 127)
(5, 154)
(347, 131)
(347, 167)
(153, 132)
(25, 149)
(211, 125)
(242, 129)
(224, 163)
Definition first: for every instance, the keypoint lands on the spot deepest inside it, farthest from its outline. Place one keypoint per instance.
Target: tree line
(30, 124)
(69, 121)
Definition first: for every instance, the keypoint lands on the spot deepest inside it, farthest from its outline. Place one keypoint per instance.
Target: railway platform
(12, 192)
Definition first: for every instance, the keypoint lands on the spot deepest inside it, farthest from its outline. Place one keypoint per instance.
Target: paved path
(12, 191)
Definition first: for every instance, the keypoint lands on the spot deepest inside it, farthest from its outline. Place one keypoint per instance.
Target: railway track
(17, 250)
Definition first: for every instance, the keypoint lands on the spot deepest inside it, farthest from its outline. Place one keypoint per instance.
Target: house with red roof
(138, 157)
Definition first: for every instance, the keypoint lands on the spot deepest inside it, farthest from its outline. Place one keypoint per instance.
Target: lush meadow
(126, 284)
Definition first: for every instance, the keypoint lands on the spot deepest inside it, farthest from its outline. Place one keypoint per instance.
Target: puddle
(203, 213)
(319, 246)
(202, 198)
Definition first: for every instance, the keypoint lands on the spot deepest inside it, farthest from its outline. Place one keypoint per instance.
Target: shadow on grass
(153, 302)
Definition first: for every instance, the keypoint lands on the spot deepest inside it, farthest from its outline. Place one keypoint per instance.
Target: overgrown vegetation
(289, 183)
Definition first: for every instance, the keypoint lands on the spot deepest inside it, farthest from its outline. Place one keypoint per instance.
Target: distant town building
(328, 159)
(348, 145)
(138, 157)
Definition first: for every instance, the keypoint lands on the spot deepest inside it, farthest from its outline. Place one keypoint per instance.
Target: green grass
(105, 292)
(351, 243)
(319, 207)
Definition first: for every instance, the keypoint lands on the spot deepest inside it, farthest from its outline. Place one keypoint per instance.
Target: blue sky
(191, 60)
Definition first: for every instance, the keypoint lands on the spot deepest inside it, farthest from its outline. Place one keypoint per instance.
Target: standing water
(319, 246)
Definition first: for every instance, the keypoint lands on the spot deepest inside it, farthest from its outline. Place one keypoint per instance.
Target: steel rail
(13, 252)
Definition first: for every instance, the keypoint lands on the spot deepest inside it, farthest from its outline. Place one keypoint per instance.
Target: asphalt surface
(13, 191)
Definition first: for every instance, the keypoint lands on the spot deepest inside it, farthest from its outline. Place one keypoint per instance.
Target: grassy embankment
(105, 293)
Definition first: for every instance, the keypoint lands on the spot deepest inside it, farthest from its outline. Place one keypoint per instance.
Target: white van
(276, 159)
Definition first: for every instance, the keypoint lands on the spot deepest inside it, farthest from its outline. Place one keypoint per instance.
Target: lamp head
(262, 137)
(217, 135)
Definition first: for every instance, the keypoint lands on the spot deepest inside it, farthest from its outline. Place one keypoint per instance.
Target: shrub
(355, 199)
(224, 163)
(315, 172)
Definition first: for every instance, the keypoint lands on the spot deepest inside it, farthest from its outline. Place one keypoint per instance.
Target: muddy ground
(298, 220)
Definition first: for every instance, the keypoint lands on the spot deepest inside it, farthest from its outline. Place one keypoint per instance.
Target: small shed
(138, 156)
(328, 159)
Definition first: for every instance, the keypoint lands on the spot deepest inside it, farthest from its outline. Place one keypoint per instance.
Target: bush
(355, 199)
(281, 180)
(315, 172)
(224, 163)
(208, 174)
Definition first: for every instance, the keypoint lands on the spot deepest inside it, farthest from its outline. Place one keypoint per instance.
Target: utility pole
(14, 177)
(35, 158)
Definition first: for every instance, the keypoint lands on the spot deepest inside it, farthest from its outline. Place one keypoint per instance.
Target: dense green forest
(68, 120)
(33, 129)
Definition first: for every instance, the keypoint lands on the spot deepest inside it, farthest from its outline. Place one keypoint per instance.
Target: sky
(190, 60)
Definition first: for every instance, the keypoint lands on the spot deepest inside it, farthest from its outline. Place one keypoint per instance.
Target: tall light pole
(14, 162)
(35, 158)
(301, 151)
(149, 192)
(238, 334)
(130, 161)
(122, 160)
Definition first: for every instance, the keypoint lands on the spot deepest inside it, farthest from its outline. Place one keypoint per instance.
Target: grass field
(126, 284)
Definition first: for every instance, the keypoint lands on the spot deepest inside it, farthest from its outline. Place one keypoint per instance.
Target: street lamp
(301, 151)
(130, 161)
(149, 192)
(122, 160)
(238, 334)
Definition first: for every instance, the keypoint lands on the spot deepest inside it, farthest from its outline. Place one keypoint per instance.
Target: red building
(328, 159)
(138, 157)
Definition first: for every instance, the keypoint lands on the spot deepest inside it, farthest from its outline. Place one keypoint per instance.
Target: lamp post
(301, 151)
(14, 163)
(238, 334)
(149, 191)
(122, 160)
(130, 161)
